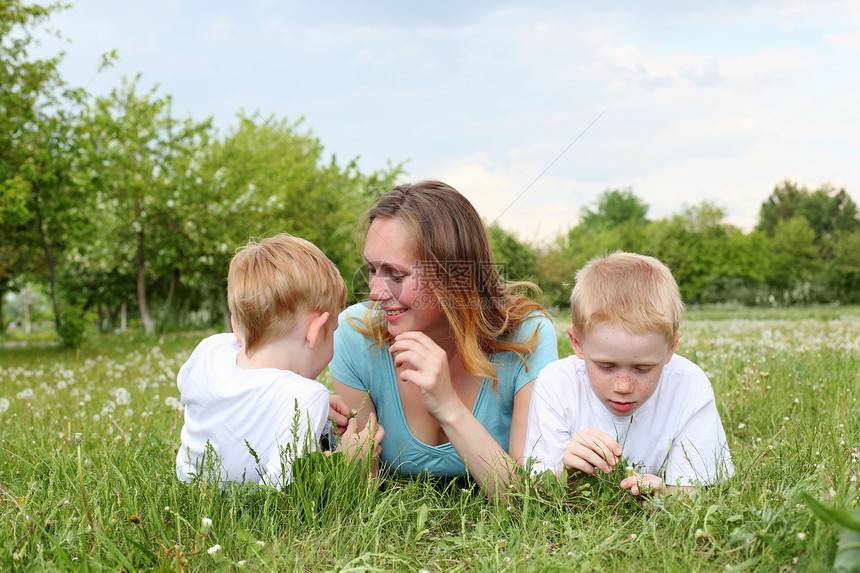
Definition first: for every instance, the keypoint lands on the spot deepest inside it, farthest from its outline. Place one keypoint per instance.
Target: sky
(531, 111)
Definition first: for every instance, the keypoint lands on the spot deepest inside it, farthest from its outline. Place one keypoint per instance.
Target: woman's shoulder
(354, 318)
(535, 321)
(352, 330)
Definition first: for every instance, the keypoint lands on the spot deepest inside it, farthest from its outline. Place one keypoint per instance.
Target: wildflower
(4, 404)
(121, 396)
(261, 543)
(205, 525)
(801, 535)
(25, 393)
(214, 550)
(134, 519)
(741, 426)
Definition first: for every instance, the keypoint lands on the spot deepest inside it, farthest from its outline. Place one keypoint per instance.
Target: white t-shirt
(227, 406)
(676, 434)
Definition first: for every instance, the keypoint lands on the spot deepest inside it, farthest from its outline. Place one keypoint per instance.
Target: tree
(267, 177)
(842, 271)
(615, 208)
(827, 210)
(516, 259)
(135, 152)
(41, 207)
(794, 256)
(694, 245)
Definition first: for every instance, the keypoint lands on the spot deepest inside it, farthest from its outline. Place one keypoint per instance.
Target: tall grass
(786, 388)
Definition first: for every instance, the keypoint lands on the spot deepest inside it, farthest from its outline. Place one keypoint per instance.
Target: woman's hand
(419, 360)
(359, 445)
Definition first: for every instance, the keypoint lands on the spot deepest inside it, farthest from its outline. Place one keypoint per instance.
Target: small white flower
(802, 536)
(205, 525)
(214, 550)
(741, 426)
(261, 543)
(4, 404)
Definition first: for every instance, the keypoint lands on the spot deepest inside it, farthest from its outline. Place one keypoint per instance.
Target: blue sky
(716, 101)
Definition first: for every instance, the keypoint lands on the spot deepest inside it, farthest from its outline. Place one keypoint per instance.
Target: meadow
(88, 439)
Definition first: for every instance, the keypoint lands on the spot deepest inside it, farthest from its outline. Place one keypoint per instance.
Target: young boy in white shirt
(625, 392)
(250, 396)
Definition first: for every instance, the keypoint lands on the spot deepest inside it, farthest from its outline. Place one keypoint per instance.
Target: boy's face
(623, 368)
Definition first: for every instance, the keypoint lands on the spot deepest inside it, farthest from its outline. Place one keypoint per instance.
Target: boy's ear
(316, 328)
(575, 342)
(235, 330)
(672, 346)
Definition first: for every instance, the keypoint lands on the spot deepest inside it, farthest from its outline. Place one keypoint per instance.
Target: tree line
(112, 202)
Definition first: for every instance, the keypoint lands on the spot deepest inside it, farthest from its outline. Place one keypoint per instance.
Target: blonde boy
(625, 392)
(250, 396)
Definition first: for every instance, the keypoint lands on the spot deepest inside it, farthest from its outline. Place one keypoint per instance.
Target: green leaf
(834, 516)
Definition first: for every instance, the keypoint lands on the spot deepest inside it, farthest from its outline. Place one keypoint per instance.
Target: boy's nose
(623, 384)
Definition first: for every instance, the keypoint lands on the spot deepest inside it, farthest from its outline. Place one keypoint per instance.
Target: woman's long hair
(454, 255)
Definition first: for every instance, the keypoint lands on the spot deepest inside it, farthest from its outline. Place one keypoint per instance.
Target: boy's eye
(643, 369)
(606, 366)
(397, 278)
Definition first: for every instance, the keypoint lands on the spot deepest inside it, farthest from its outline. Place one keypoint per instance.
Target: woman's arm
(422, 362)
(520, 422)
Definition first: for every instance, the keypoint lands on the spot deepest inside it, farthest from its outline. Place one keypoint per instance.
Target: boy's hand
(590, 451)
(358, 445)
(338, 413)
(640, 484)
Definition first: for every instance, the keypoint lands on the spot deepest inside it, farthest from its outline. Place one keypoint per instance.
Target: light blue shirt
(360, 364)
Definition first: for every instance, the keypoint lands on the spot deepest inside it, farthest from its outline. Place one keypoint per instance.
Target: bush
(72, 326)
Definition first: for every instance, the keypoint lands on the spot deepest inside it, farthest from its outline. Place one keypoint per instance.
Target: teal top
(360, 364)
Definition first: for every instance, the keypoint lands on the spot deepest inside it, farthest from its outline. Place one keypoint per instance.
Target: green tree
(842, 271)
(794, 259)
(268, 177)
(517, 260)
(827, 210)
(694, 245)
(136, 151)
(614, 208)
(23, 81)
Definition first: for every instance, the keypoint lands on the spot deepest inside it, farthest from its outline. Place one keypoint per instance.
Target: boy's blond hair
(274, 283)
(635, 292)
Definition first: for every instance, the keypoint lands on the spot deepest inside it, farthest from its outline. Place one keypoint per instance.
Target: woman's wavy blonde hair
(453, 250)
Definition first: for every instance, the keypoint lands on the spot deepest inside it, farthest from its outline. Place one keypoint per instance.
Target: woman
(445, 354)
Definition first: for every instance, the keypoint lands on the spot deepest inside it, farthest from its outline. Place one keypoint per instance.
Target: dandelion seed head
(214, 550)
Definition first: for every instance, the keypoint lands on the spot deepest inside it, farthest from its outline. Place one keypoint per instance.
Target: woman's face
(397, 282)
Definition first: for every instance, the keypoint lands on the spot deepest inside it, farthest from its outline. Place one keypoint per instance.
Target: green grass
(786, 383)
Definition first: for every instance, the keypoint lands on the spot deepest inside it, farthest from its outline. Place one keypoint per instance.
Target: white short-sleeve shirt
(234, 409)
(677, 434)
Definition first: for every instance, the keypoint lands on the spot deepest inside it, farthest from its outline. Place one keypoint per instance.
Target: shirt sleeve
(700, 455)
(351, 352)
(296, 436)
(548, 428)
(545, 353)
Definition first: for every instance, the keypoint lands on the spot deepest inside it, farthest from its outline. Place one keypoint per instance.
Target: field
(786, 383)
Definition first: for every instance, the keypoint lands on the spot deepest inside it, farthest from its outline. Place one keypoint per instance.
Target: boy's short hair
(272, 284)
(635, 292)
